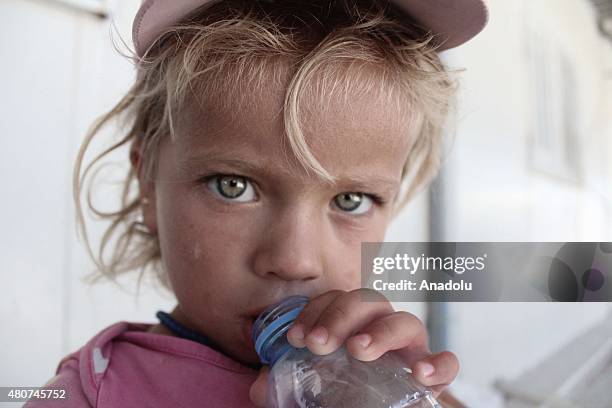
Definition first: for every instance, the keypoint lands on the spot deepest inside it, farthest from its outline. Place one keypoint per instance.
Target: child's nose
(292, 247)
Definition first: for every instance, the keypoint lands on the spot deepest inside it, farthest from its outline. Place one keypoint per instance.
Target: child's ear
(146, 187)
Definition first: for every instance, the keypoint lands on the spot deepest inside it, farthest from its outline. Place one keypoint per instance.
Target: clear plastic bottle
(301, 379)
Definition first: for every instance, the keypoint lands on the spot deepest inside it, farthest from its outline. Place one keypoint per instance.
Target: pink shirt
(125, 366)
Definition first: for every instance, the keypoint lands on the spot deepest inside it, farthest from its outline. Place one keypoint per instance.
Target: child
(268, 139)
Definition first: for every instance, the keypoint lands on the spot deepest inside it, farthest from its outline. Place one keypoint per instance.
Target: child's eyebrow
(372, 182)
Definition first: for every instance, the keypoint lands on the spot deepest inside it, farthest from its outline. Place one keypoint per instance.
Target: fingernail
(297, 331)
(427, 369)
(319, 335)
(363, 340)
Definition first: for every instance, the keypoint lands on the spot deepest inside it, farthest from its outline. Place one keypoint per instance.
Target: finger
(401, 331)
(308, 316)
(436, 370)
(343, 317)
(259, 389)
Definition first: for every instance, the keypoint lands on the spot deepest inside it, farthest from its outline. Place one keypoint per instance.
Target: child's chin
(247, 335)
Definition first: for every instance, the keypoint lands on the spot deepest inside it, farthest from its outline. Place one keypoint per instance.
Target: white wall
(494, 195)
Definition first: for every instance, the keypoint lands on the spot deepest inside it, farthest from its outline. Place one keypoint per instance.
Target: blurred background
(529, 162)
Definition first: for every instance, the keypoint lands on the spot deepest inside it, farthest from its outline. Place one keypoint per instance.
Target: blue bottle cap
(271, 326)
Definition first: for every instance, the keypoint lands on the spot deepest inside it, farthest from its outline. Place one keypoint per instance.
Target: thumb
(259, 389)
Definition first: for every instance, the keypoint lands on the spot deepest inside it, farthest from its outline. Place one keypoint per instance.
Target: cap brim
(155, 16)
(453, 22)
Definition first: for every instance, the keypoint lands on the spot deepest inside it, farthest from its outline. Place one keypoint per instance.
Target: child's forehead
(331, 121)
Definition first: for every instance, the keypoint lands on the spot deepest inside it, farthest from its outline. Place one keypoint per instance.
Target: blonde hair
(356, 45)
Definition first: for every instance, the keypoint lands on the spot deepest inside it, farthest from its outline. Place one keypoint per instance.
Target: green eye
(351, 202)
(232, 187)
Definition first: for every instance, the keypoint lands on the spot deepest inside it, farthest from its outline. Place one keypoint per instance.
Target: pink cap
(453, 21)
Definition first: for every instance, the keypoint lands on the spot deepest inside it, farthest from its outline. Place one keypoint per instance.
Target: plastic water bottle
(301, 379)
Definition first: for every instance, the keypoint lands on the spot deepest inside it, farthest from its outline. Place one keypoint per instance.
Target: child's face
(231, 251)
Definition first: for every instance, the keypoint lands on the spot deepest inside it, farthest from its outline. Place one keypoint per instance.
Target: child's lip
(255, 312)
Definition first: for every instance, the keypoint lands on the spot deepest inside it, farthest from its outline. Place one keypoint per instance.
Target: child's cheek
(345, 274)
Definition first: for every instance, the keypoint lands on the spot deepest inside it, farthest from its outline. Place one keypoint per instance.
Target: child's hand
(368, 329)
